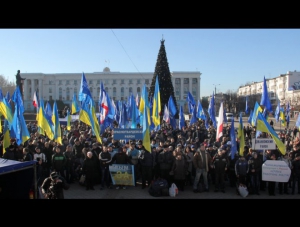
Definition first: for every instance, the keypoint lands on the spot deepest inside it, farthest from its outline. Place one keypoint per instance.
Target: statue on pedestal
(19, 82)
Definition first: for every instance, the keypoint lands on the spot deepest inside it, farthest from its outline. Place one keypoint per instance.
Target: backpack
(159, 187)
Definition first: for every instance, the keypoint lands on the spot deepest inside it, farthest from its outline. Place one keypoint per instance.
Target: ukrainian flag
(74, 107)
(6, 136)
(241, 136)
(68, 120)
(156, 105)
(6, 111)
(43, 122)
(282, 117)
(263, 126)
(146, 121)
(256, 110)
(56, 124)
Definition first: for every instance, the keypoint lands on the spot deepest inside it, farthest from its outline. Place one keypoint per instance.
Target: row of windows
(138, 81)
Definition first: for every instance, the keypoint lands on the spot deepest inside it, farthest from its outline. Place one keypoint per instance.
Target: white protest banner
(275, 170)
(263, 144)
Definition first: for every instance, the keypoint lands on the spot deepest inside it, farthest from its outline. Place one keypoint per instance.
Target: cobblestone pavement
(77, 191)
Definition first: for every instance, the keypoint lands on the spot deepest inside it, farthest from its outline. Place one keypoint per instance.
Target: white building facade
(62, 86)
(285, 88)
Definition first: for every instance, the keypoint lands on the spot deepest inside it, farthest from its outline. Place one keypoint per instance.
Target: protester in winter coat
(201, 162)
(220, 165)
(179, 169)
(255, 167)
(89, 169)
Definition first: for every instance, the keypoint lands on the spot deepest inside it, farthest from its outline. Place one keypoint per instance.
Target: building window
(130, 90)
(59, 82)
(138, 90)
(91, 90)
(147, 81)
(138, 81)
(105, 82)
(68, 94)
(195, 80)
(177, 81)
(114, 91)
(50, 90)
(114, 81)
(98, 90)
(186, 81)
(67, 82)
(90, 82)
(50, 82)
(75, 91)
(98, 81)
(75, 82)
(130, 82)
(60, 93)
(122, 81)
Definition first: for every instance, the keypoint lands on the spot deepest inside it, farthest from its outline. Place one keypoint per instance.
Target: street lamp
(216, 87)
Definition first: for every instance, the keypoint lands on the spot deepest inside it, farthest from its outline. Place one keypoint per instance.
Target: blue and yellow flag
(5, 110)
(6, 136)
(74, 108)
(241, 136)
(282, 117)
(44, 123)
(56, 125)
(146, 117)
(68, 120)
(263, 126)
(265, 101)
(142, 100)
(256, 110)
(19, 127)
(156, 105)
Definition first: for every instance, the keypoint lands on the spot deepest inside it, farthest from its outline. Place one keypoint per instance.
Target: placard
(122, 174)
(275, 170)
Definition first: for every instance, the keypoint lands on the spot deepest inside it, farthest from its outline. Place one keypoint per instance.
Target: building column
(32, 87)
(26, 96)
(40, 89)
(181, 89)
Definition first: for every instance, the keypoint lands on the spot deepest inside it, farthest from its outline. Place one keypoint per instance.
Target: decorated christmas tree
(164, 79)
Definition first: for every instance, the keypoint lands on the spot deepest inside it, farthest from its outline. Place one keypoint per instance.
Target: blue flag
(200, 111)
(265, 101)
(211, 111)
(233, 139)
(181, 119)
(84, 92)
(191, 102)
(247, 108)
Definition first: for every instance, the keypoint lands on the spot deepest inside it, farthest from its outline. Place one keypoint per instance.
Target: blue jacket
(241, 167)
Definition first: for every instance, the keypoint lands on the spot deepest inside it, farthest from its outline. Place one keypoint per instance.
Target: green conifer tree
(164, 79)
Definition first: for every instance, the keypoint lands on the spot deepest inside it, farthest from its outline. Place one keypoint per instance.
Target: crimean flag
(220, 123)
(263, 126)
(241, 136)
(156, 104)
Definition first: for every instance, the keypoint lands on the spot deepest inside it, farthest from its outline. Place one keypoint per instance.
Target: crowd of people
(190, 156)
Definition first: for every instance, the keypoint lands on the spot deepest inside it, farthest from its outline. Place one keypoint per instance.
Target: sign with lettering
(263, 144)
(275, 170)
(128, 134)
(122, 174)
